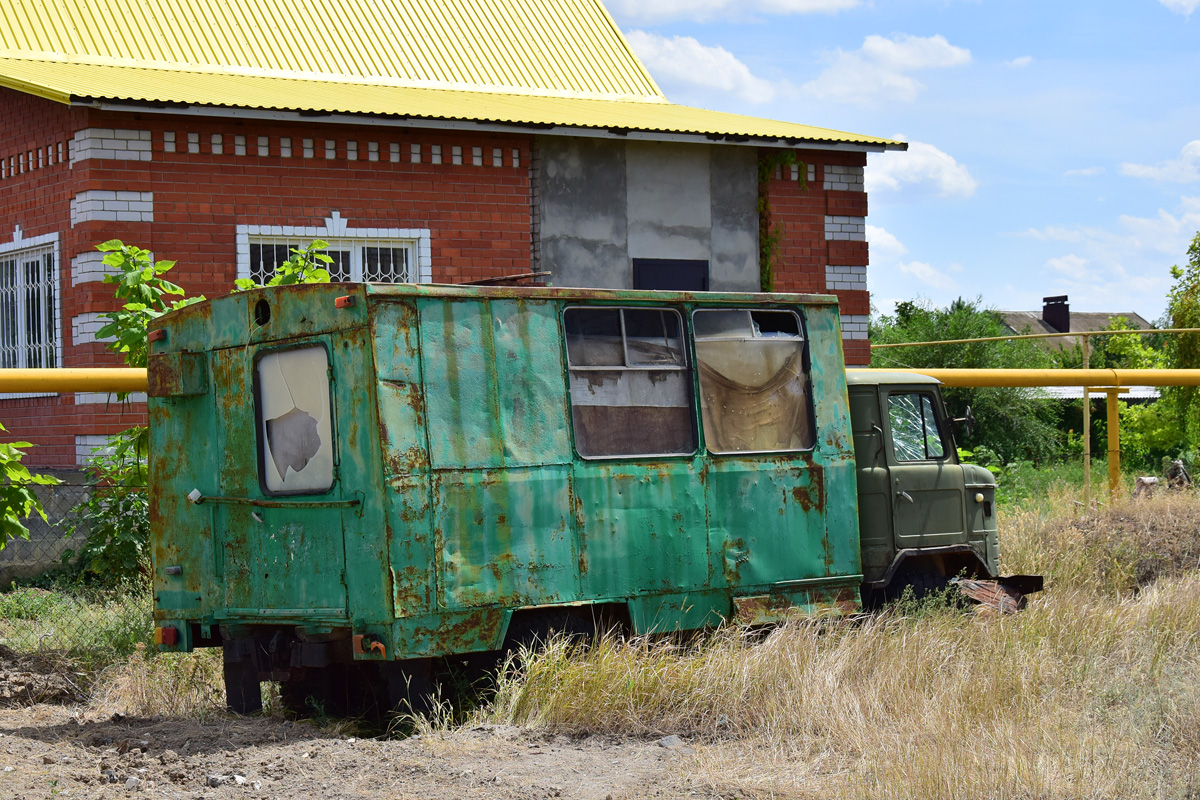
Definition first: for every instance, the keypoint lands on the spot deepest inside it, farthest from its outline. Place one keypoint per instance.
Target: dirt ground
(51, 747)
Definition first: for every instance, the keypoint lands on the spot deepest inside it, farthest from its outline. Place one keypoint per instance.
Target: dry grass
(1094, 691)
(169, 684)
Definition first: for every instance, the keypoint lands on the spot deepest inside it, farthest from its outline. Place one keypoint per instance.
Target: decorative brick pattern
(84, 327)
(845, 278)
(98, 204)
(106, 398)
(86, 445)
(89, 267)
(851, 229)
(854, 326)
(119, 144)
(843, 179)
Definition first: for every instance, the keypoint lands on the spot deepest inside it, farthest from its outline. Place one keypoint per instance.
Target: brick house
(425, 140)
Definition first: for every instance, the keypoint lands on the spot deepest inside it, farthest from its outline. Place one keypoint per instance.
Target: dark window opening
(670, 274)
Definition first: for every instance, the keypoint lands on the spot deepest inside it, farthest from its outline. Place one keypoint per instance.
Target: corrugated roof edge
(814, 135)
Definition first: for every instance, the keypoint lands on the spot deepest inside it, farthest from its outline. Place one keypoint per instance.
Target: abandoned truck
(351, 481)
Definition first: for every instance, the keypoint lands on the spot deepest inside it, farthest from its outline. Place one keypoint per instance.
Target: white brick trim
(89, 267)
(336, 227)
(114, 143)
(844, 179)
(853, 229)
(854, 326)
(85, 444)
(97, 204)
(85, 326)
(105, 398)
(845, 278)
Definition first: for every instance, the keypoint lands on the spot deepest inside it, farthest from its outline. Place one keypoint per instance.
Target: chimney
(1056, 313)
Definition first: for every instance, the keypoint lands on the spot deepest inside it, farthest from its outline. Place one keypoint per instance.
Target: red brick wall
(798, 211)
(478, 216)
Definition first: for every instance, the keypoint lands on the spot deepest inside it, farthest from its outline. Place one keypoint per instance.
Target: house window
(29, 303)
(374, 255)
(754, 387)
(631, 387)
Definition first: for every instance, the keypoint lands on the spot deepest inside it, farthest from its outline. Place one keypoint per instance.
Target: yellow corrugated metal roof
(563, 47)
(531, 62)
(65, 81)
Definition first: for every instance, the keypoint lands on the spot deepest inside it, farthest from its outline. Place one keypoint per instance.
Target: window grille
(28, 308)
(371, 260)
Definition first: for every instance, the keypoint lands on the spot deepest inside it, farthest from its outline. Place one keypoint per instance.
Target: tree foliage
(17, 500)
(1013, 422)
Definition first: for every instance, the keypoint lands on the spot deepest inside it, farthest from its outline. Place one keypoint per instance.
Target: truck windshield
(754, 390)
(915, 435)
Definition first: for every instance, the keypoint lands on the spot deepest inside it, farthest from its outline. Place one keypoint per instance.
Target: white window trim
(20, 242)
(335, 228)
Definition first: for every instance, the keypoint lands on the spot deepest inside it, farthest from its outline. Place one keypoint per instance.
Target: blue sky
(1054, 145)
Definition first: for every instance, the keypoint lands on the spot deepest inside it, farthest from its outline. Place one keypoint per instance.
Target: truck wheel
(242, 693)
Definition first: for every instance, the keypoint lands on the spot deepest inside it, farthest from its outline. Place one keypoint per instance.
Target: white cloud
(1086, 172)
(1070, 265)
(1122, 267)
(681, 60)
(1017, 63)
(928, 275)
(879, 69)
(922, 165)
(884, 245)
(1185, 169)
(703, 10)
(1185, 7)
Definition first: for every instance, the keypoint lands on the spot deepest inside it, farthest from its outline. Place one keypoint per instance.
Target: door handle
(906, 496)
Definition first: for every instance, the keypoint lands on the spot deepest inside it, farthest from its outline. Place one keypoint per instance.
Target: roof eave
(409, 121)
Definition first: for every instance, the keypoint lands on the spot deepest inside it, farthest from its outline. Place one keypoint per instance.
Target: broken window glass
(754, 389)
(630, 383)
(294, 421)
(915, 435)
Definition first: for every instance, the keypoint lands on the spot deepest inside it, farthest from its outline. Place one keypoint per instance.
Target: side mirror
(967, 422)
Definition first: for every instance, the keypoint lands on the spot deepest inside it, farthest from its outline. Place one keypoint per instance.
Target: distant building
(1056, 316)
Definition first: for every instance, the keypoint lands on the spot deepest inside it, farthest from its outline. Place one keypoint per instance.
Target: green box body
(458, 495)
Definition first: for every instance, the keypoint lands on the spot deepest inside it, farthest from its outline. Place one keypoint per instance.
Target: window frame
(805, 364)
(938, 426)
(335, 231)
(260, 423)
(687, 368)
(21, 247)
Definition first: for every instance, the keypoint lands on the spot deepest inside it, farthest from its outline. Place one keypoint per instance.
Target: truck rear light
(166, 636)
(345, 301)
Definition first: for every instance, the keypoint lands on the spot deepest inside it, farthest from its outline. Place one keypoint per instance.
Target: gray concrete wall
(602, 203)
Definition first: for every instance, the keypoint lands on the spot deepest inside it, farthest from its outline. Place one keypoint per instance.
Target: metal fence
(45, 606)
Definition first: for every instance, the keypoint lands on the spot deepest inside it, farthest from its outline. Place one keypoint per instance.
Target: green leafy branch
(303, 267)
(17, 500)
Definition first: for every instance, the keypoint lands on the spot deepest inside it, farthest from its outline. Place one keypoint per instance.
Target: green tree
(1013, 422)
(1183, 350)
(17, 500)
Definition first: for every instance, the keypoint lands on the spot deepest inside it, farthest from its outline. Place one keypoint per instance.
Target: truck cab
(924, 517)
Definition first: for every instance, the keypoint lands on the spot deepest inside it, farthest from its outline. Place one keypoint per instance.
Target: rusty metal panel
(504, 537)
(177, 375)
(530, 382)
(766, 521)
(459, 373)
(410, 547)
(641, 527)
(282, 559)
